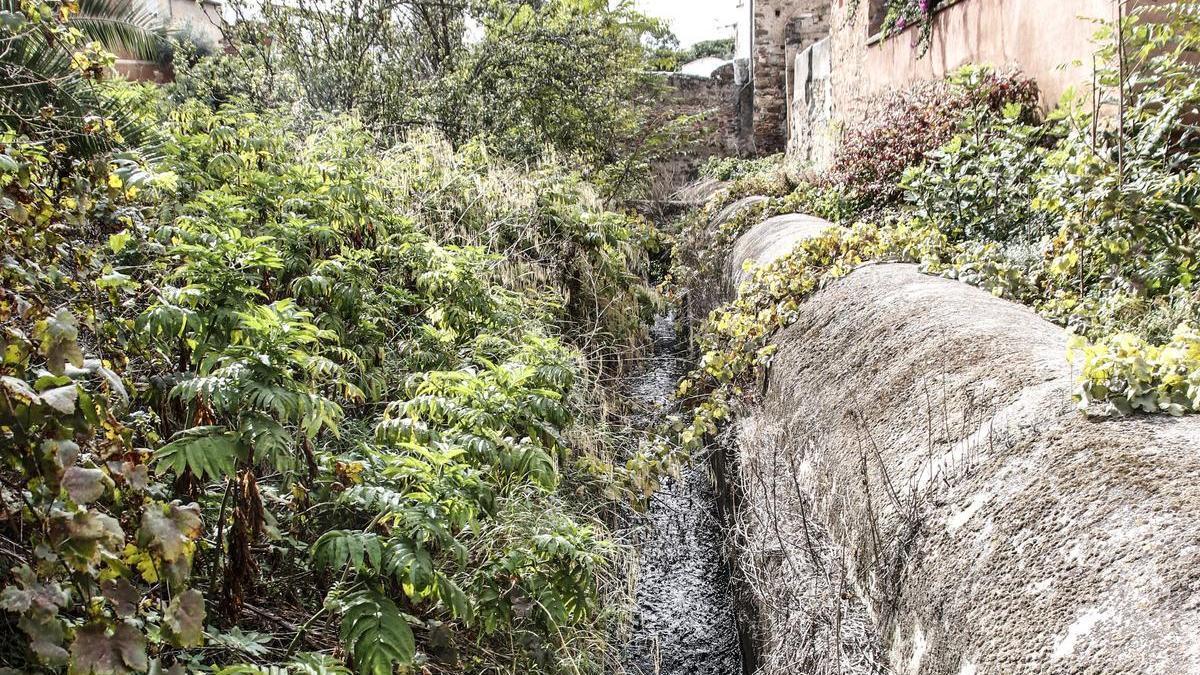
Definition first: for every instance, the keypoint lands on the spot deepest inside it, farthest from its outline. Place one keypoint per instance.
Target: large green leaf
(317, 664)
(337, 549)
(167, 529)
(376, 634)
(207, 451)
(83, 485)
(59, 335)
(122, 26)
(269, 441)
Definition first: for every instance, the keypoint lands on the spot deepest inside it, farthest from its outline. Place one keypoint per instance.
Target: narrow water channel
(685, 621)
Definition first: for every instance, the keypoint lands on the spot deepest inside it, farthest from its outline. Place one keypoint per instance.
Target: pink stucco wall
(1037, 36)
(1048, 40)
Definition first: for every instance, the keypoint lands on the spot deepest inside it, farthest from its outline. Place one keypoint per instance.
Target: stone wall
(718, 130)
(811, 139)
(809, 26)
(782, 28)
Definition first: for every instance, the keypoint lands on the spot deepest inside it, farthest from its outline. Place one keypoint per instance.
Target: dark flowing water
(684, 623)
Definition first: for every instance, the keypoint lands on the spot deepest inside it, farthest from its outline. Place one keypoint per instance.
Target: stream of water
(685, 621)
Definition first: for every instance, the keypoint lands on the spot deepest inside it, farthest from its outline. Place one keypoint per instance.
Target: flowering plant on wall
(902, 14)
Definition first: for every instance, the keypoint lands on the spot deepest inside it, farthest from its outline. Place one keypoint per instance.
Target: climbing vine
(899, 15)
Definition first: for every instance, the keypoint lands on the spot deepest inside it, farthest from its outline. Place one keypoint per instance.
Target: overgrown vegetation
(523, 77)
(864, 178)
(1088, 216)
(284, 392)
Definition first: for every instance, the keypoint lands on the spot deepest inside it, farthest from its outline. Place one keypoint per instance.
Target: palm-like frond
(46, 98)
(122, 28)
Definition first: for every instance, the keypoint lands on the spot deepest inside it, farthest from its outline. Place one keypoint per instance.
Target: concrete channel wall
(918, 493)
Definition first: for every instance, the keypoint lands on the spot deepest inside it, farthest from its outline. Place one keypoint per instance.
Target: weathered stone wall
(782, 28)
(717, 132)
(811, 139)
(920, 495)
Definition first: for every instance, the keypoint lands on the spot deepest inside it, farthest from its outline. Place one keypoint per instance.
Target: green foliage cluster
(982, 181)
(720, 48)
(666, 55)
(1089, 217)
(51, 58)
(897, 16)
(904, 125)
(735, 341)
(562, 74)
(276, 399)
(732, 168)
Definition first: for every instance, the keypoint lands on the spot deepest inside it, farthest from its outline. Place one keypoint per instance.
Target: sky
(694, 20)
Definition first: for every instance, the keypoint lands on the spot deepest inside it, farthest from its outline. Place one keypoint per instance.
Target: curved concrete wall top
(735, 208)
(986, 524)
(769, 241)
(697, 193)
(707, 297)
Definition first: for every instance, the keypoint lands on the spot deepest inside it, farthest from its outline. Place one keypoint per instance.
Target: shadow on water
(684, 624)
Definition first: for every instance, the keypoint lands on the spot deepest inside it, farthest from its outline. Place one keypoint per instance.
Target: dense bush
(52, 65)
(904, 125)
(273, 397)
(562, 74)
(733, 168)
(981, 184)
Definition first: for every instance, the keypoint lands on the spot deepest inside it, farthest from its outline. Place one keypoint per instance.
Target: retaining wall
(920, 495)
(1050, 41)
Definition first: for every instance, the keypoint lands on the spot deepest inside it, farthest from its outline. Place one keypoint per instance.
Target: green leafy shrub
(981, 184)
(1127, 208)
(906, 124)
(733, 168)
(54, 64)
(298, 356)
(1124, 373)
(563, 75)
